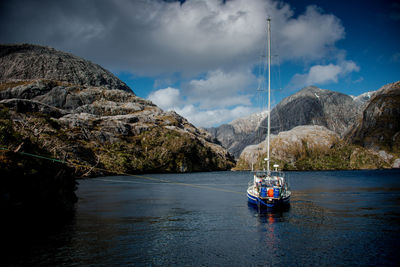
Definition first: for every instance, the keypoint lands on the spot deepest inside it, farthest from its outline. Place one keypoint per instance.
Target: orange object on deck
(270, 192)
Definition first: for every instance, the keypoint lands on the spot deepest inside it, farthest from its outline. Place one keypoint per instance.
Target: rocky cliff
(379, 126)
(314, 106)
(313, 148)
(238, 134)
(79, 112)
(372, 139)
(31, 62)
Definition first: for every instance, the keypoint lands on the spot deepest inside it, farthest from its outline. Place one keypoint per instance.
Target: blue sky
(201, 57)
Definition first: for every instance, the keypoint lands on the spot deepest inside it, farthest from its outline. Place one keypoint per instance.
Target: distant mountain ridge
(309, 106)
(235, 135)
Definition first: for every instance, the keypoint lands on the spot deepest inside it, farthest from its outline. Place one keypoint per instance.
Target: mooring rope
(125, 174)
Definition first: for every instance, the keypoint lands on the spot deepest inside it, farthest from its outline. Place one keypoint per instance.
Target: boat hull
(268, 203)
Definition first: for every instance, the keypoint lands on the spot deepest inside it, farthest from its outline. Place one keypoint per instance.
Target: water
(335, 218)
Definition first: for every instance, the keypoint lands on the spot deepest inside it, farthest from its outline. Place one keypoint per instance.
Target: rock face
(288, 145)
(235, 135)
(313, 148)
(379, 125)
(104, 127)
(372, 140)
(363, 98)
(30, 62)
(314, 106)
(309, 106)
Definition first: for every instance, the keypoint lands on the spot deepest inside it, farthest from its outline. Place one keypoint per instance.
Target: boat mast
(269, 93)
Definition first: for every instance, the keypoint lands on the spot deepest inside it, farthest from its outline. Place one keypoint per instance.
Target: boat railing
(271, 174)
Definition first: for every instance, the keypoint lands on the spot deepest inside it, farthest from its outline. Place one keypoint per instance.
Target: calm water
(335, 218)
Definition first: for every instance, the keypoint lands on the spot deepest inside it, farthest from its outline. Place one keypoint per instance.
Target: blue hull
(275, 203)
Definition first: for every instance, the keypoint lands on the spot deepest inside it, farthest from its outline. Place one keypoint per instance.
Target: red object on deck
(270, 192)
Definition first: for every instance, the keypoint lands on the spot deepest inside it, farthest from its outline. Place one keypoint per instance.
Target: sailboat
(268, 189)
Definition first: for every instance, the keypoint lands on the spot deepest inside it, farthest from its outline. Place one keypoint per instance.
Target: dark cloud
(153, 37)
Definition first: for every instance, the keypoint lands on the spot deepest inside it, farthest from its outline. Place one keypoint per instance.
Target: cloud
(311, 36)
(157, 37)
(323, 74)
(207, 47)
(359, 80)
(221, 89)
(217, 98)
(167, 98)
(171, 99)
(213, 117)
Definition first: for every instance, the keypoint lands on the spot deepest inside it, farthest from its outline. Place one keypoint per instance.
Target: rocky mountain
(363, 98)
(287, 146)
(235, 135)
(31, 62)
(309, 106)
(379, 125)
(314, 106)
(313, 148)
(80, 113)
(371, 141)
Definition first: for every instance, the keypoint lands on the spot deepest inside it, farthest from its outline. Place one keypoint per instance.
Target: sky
(203, 58)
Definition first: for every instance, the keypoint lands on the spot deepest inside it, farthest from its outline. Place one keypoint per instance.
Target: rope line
(127, 174)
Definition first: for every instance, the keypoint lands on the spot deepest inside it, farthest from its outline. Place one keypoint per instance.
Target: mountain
(309, 106)
(31, 62)
(371, 141)
(314, 106)
(81, 113)
(379, 126)
(235, 135)
(363, 98)
(314, 148)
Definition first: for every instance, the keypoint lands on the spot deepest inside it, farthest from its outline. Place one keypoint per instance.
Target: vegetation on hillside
(341, 156)
(31, 183)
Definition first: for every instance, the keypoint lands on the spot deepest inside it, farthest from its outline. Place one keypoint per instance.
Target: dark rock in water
(31, 62)
(379, 126)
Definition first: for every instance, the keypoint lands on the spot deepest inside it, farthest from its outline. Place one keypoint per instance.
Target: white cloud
(215, 99)
(213, 117)
(324, 74)
(167, 98)
(221, 89)
(310, 36)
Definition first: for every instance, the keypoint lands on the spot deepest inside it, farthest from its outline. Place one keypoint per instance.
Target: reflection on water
(335, 218)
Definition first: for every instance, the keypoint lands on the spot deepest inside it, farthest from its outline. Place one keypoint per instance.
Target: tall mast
(269, 93)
